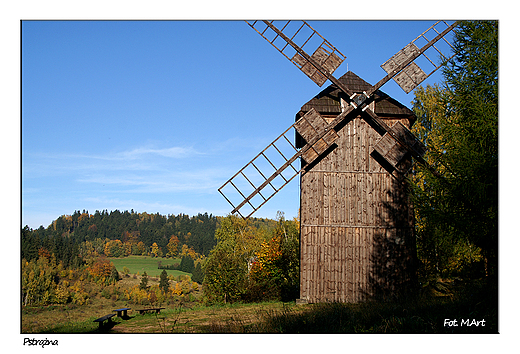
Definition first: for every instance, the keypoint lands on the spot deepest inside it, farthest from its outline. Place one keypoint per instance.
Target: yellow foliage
(136, 295)
(177, 289)
(62, 293)
(155, 249)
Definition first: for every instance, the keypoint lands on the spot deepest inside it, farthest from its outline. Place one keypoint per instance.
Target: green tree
(226, 274)
(459, 123)
(198, 274)
(164, 283)
(187, 264)
(144, 282)
(29, 244)
(114, 275)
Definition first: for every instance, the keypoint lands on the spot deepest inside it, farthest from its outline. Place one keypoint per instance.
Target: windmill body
(356, 218)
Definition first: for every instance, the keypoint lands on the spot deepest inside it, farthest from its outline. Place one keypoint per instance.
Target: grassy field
(141, 264)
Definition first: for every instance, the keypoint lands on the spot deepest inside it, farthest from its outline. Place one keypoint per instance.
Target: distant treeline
(67, 236)
(64, 235)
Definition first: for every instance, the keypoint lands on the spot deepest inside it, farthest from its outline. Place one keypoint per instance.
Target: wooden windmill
(355, 147)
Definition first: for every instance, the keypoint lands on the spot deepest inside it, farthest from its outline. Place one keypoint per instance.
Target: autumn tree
(187, 251)
(43, 252)
(156, 250)
(39, 281)
(172, 246)
(140, 249)
(115, 248)
(274, 270)
(102, 270)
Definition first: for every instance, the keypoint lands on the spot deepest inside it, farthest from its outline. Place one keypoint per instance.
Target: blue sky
(156, 115)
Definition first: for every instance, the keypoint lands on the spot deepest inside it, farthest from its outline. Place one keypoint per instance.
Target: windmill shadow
(393, 276)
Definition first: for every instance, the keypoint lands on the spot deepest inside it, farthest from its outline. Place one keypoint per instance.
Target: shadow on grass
(87, 327)
(477, 300)
(425, 314)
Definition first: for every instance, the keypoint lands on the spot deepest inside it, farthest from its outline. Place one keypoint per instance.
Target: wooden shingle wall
(356, 223)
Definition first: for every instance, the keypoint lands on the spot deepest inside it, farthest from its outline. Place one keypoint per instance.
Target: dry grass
(178, 318)
(237, 318)
(46, 318)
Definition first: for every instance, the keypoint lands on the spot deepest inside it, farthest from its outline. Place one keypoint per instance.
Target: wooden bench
(104, 318)
(122, 312)
(156, 310)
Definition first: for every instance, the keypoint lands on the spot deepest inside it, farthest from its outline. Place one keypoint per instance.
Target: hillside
(66, 234)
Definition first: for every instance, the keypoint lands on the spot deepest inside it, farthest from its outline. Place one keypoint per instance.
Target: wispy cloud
(201, 180)
(175, 152)
(143, 158)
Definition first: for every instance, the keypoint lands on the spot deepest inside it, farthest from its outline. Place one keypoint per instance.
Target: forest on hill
(66, 236)
(68, 233)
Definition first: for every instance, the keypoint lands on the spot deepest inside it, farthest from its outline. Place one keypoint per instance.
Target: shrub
(136, 295)
(274, 272)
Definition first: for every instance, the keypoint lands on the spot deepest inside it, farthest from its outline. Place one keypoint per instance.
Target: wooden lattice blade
(404, 68)
(295, 39)
(259, 176)
(264, 176)
(313, 125)
(395, 153)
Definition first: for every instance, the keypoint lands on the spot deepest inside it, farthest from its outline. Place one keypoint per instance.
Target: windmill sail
(411, 65)
(395, 153)
(263, 176)
(276, 165)
(294, 39)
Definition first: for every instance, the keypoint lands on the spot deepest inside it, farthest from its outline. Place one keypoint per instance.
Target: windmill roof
(327, 102)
